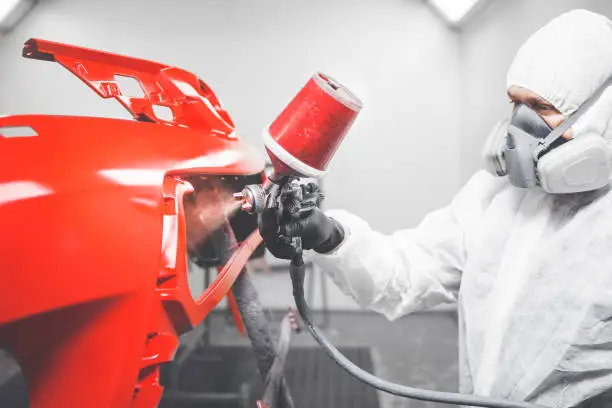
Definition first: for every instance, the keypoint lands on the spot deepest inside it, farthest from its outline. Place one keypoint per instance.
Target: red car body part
(94, 291)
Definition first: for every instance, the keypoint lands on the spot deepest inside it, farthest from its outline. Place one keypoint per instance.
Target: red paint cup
(304, 137)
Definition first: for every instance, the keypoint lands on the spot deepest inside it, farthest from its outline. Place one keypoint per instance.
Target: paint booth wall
(395, 54)
(487, 47)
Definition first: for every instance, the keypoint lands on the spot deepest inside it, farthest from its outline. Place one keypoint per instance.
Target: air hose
(255, 323)
(297, 271)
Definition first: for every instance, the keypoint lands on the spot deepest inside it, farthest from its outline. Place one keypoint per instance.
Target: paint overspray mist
(207, 209)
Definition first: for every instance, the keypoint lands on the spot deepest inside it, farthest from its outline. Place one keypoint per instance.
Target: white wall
(487, 46)
(431, 95)
(395, 54)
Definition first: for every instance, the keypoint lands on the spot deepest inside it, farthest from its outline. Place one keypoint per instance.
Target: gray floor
(419, 350)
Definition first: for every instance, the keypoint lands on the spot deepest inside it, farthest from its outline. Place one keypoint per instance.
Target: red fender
(94, 291)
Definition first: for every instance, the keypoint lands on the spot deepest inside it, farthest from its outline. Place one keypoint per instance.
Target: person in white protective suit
(525, 248)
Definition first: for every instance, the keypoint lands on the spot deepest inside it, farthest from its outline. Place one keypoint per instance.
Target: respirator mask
(531, 153)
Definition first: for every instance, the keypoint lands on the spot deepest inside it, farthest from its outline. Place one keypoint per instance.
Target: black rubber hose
(255, 322)
(297, 271)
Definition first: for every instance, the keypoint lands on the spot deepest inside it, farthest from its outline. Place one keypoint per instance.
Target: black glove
(297, 215)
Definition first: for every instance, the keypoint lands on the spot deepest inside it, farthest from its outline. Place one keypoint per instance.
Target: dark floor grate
(314, 379)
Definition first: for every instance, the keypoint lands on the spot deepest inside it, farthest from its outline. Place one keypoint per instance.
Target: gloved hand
(294, 215)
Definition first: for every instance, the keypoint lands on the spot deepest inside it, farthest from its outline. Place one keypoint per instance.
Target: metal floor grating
(314, 379)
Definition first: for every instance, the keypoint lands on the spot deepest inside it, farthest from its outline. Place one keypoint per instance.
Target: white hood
(565, 62)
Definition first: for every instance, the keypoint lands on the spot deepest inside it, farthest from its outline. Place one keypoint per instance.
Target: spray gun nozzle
(252, 198)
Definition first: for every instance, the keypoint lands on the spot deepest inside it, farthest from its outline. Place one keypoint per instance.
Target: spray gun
(300, 144)
(303, 138)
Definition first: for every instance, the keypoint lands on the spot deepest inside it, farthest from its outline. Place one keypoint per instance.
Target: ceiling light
(12, 11)
(455, 11)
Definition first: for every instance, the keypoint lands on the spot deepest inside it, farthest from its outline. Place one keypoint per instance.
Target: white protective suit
(531, 272)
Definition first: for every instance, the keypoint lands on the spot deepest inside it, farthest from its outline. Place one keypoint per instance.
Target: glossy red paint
(94, 290)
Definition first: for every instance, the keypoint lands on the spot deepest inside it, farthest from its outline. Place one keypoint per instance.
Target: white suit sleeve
(412, 269)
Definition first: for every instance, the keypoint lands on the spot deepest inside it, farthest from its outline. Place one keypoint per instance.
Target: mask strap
(545, 143)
